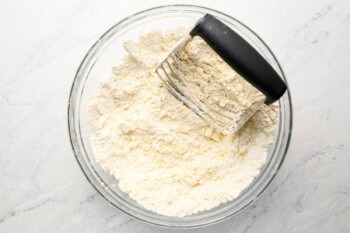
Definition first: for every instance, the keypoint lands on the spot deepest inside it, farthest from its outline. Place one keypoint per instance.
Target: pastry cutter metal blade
(239, 55)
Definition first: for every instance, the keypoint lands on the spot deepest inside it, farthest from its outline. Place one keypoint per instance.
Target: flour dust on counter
(163, 155)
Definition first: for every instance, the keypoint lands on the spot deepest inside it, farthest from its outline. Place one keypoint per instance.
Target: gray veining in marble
(42, 188)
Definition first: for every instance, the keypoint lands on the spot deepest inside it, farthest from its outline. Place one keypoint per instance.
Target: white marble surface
(42, 188)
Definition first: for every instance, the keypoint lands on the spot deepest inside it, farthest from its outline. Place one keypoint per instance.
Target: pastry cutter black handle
(241, 56)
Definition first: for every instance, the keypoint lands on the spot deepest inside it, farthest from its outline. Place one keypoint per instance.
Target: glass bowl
(96, 67)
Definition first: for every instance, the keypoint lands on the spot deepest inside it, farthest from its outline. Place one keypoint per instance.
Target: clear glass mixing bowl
(96, 67)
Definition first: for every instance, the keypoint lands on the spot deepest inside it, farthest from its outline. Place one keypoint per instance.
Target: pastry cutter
(240, 56)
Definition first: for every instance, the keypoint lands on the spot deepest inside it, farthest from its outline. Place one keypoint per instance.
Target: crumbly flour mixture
(164, 156)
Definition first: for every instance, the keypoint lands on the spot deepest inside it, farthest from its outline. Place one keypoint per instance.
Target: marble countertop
(44, 190)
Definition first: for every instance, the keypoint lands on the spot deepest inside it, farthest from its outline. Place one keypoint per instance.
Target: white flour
(163, 155)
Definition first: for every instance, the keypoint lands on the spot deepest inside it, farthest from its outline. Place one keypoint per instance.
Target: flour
(164, 156)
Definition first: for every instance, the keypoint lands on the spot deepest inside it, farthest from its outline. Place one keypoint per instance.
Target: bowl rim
(71, 114)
